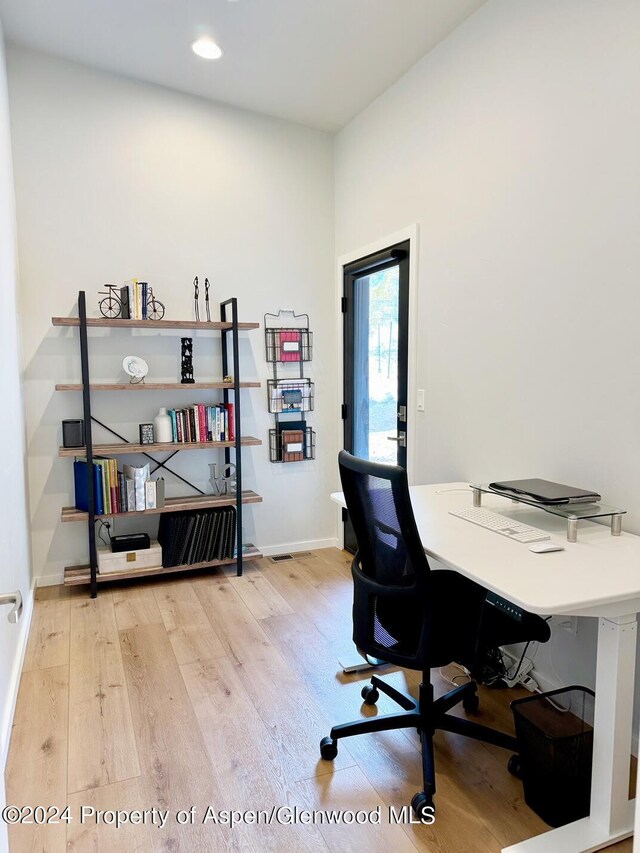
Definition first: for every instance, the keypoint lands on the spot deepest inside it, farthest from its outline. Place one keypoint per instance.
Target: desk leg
(612, 813)
(614, 720)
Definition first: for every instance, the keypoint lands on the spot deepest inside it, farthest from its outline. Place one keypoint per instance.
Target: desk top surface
(599, 575)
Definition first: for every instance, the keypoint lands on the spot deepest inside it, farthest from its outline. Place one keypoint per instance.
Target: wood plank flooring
(208, 691)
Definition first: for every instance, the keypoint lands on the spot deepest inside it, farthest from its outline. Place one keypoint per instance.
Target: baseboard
(50, 580)
(293, 547)
(14, 680)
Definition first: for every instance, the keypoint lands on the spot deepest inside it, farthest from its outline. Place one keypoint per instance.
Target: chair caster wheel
(370, 694)
(423, 807)
(471, 703)
(328, 748)
(514, 767)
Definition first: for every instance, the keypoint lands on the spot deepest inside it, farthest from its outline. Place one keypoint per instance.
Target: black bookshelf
(229, 328)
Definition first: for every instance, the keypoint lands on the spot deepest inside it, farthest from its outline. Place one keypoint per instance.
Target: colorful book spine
(203, 422)
(106, 493)
(231, 410)
(113, 485)
(196, 423)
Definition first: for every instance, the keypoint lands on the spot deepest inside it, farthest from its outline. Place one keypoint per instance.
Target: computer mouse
(545, 547)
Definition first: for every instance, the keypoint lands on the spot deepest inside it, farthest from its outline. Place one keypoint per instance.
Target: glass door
(376, 313)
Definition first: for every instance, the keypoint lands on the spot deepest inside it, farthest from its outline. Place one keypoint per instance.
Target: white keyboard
(500, 524)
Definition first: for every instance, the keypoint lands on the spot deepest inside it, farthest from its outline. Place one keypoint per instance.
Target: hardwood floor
(211, 691)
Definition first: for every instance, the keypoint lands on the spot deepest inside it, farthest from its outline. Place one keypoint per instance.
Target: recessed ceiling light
(206, 49)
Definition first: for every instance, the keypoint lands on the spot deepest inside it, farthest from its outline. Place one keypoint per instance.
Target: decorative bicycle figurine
(111, 305)
(155, 308)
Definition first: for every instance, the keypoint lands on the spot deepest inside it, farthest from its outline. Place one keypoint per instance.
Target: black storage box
(555, 733)
(130, 542)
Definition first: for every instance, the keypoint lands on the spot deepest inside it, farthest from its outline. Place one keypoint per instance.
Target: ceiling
(315, 62)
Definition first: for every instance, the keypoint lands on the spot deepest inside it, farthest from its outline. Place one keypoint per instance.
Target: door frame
(410, 233)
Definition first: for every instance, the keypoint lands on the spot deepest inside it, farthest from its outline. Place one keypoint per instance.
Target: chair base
(427, 715)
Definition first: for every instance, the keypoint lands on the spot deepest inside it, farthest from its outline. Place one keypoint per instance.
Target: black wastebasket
(555, 733)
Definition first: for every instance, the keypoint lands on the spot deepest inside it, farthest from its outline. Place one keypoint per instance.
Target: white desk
(597, 576)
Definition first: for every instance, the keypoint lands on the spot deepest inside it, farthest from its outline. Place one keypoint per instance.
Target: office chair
(408, 615)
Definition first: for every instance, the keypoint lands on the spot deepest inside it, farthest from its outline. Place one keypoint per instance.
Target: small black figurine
(196, 294)
(186, 364)
(206, 299)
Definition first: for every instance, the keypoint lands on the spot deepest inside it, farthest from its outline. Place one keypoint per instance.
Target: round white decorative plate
(135, 366)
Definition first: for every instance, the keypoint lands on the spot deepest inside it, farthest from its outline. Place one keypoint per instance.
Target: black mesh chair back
(391, 575)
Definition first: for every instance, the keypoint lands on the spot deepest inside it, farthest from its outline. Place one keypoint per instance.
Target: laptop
(545, 492)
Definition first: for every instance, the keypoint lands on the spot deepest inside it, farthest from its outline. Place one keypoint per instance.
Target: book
(131, 494)
(81, 484)
(299, 425)
(98, 493)
(124, 299)
(292, 445)
(159, 492)
(113, 485)
(184, 532)
(290, 340)
(104, 482)
(144, 287)
(150, 494)
(139, 475)
(122, 492)
(231, 430)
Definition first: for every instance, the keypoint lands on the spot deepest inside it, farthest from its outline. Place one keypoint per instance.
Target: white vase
(163, 430)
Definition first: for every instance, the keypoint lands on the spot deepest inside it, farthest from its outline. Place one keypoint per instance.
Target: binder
(81, 484)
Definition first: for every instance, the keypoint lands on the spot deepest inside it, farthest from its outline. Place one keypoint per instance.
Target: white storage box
(127, 561)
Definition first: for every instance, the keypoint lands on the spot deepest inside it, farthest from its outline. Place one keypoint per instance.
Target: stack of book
(134, 297)
(200, 423)
(129, 490)
(199, 536)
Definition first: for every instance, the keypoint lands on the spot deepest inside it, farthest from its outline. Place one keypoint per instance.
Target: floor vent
(282, 558)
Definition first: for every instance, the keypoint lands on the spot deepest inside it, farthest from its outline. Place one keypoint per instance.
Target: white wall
(514, 144)
(14, 553)
(116, 179)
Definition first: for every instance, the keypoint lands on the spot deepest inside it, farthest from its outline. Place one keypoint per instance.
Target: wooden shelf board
(75, 575)
(150, 324)
(155, 386)
(70, 513)
(167, 447)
